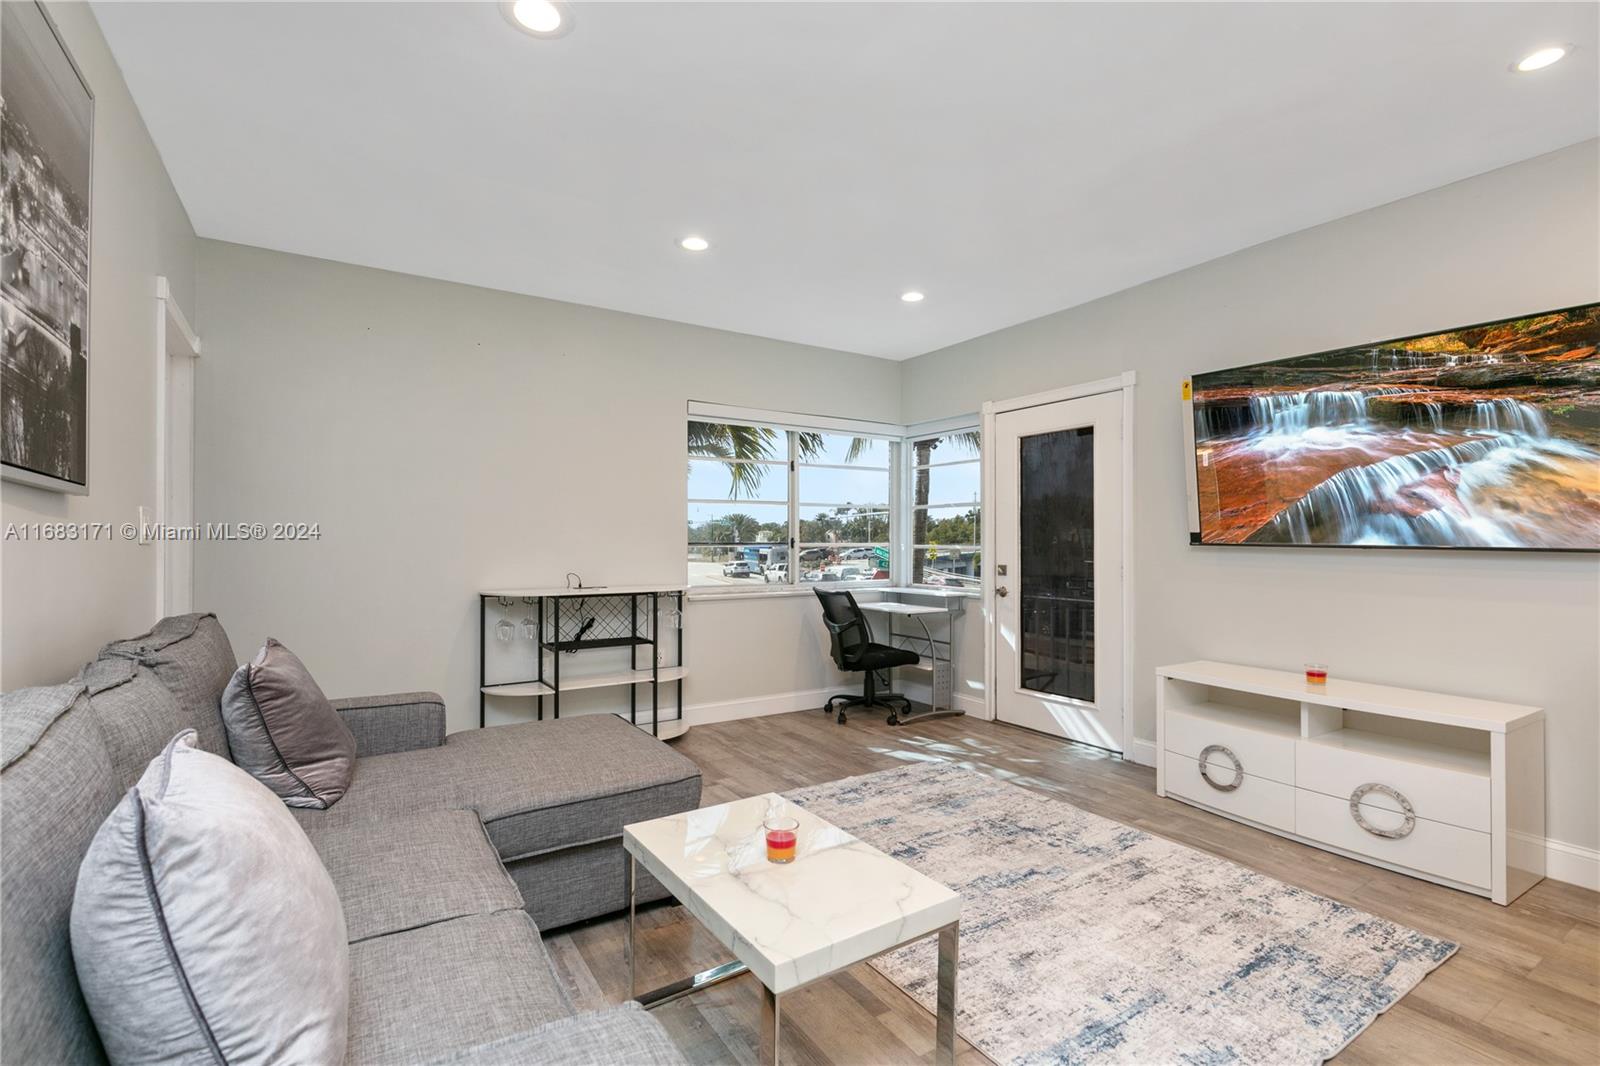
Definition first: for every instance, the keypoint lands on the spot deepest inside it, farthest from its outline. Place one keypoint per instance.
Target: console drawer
(1263, 754)
(1447, 851)
(1257, 798)
(1341, 762)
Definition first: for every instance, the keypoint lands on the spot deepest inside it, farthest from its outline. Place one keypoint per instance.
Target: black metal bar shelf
(563, 620)
(604, 642)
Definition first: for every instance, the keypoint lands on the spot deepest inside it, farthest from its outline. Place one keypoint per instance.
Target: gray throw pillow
(205, 928)
(285, 733)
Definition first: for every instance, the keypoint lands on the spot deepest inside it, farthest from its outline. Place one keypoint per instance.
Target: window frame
(908, 505)
(791, 425)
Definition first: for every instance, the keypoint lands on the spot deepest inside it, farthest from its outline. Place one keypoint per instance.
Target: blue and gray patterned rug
(1087, 941)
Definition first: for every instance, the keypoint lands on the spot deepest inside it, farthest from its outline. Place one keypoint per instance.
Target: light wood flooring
(1525, 986)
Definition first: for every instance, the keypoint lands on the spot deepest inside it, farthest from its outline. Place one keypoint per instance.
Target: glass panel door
(1057, 521)
(1056, 524)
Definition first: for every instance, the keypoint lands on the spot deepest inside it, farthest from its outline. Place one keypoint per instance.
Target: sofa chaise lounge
(449, 853)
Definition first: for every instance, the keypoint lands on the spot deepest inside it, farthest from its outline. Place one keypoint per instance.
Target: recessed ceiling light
(912, 297)
(539, 18)
(694, 244)
(1540, 59)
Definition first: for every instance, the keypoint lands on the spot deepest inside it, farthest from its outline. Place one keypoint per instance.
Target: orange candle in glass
(1316, 674)
(781, 836)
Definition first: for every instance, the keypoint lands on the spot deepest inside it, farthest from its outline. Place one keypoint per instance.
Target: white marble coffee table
(840, 902)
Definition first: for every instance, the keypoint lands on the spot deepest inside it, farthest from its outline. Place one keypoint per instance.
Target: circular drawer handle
(1238, 767)
(1406, 809)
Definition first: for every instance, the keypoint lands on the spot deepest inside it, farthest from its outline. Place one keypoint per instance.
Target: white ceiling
(1010, 160)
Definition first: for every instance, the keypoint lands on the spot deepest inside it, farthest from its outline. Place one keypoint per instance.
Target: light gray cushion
(573, 884)
(402, 721)
(554, 797)
(413, 870)
(540, 786)
(406, 782)
(204, 926)
(55, 790)
(189, 654)
(424, 993)
(136, 712)
(626, 1034)
(283, 731)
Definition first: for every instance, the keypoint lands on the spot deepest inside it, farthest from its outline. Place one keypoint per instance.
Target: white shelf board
(597, 590)
(621, 677)
(666, 728)
(1435, 707)
(1404, 749)
(524, 688)
(1285, 723)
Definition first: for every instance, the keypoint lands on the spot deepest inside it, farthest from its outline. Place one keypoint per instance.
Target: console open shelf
(1277, 721)
(1405, 749)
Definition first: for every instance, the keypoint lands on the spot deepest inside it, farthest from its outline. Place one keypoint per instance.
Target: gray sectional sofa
(449, 853)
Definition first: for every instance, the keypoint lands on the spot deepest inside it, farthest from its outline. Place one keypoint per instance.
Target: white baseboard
(1142, 752)
(800, 700)
(759, 706)
(920, 692)
(973, 705)
(1572, 863)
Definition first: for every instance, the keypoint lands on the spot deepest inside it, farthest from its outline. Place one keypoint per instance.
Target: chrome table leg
(771, 1021)
(633, 888)
(945, 1041)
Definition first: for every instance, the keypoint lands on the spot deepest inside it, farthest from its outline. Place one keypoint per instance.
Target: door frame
(1125, 384)
(174, 339)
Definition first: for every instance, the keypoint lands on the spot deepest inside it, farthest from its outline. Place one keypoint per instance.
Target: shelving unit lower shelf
(567, 622)
(517, 688)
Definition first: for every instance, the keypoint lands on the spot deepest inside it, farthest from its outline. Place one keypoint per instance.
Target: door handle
(1001, 591)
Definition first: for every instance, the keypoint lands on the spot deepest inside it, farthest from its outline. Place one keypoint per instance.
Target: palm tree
(744, 528)
(967, 440)
(719, 440)
(745, 446)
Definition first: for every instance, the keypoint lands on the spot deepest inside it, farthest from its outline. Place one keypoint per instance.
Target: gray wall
(1523, 628)
(450, 438)
(60, 601)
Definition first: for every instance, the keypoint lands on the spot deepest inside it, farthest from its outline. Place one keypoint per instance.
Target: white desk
(948, 605)
(902, 609)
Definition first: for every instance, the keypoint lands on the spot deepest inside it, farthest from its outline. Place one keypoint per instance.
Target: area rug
(1087, 941)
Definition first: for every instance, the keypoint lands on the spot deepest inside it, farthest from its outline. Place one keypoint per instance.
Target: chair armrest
(404, 721)
(625, 1034)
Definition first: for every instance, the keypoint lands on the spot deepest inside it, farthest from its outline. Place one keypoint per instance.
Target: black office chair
(853, 649)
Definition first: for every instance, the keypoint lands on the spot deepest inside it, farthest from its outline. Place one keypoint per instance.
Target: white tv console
(1446, 788)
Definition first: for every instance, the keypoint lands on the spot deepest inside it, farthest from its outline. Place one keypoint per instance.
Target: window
(946, 487)
(771, 505)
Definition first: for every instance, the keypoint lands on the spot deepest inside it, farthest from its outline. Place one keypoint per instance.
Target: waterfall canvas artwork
(1484, 436)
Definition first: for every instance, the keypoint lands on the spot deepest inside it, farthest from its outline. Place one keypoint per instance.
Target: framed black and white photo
(46, 166)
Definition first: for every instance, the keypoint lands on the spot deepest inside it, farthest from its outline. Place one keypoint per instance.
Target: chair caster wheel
(893, 719)
(841, 719)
